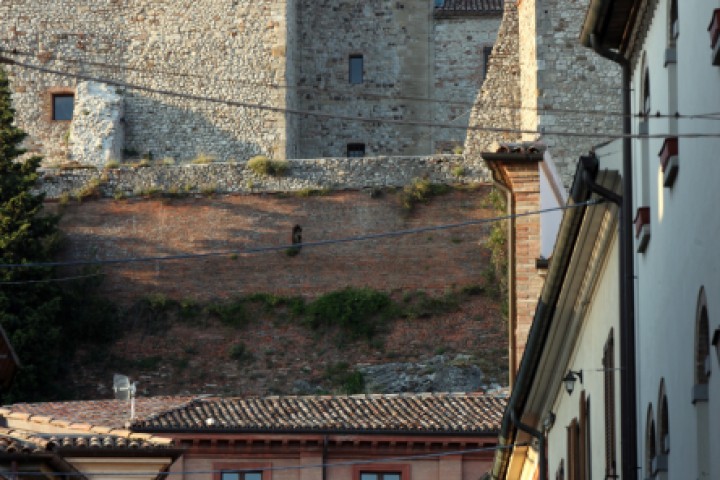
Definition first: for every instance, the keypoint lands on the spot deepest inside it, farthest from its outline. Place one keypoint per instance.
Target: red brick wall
(108, 229)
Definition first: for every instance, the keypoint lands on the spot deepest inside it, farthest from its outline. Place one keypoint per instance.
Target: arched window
(702, 341)
(673, 25)
(645, 105)
(663, 421)
(650, 450)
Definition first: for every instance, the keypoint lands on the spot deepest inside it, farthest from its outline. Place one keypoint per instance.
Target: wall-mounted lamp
(569, 380)
(716, 342)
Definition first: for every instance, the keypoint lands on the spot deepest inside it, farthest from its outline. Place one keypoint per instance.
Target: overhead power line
(352, 118)
(378, 461)
(319, 243)
(363, 94)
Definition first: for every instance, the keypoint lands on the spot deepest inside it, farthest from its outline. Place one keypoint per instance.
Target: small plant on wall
(262, 165)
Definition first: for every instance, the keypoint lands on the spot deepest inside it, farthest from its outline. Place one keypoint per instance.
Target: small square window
(356, 69)
(62, 106)
(355, 150)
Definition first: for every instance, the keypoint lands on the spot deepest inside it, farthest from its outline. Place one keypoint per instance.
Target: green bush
(421, 191)
(232, 314)
(345, 380)
(357, 312)
(262, 165)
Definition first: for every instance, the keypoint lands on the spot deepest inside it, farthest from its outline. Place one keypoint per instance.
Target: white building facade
(652, 410)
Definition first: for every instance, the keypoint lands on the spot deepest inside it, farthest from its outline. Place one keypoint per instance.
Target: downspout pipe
(628, 374)
(537, 434)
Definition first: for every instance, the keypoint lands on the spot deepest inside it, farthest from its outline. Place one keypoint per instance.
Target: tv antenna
(124, 390)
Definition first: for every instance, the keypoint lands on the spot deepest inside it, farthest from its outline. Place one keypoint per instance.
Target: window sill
(700, 393)
(669, 161)
(670, 56)
(659, 464)
(642, 228)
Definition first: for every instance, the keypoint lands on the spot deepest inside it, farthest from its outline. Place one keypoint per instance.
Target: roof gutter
(595, 14)
(567, 238)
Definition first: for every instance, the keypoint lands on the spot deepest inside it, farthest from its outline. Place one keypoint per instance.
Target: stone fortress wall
(288, 56)
(542, 79)
(228, 50)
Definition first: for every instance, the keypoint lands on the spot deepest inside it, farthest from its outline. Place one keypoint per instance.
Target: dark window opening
(608, 363)
(356, 69)
(487, 51)
(380, 476)
(355, 150)
(674, 25)
(62, 106)
(646, 93)
(240, 475)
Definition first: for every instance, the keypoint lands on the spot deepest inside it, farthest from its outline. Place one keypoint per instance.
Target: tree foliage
(44, 321)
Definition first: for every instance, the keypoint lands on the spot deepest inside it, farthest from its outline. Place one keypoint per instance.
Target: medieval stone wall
(328, 174)
(496, 113)
(576, 90)
(542, 81)
(459, 66)
(231, 79)
(225, 50)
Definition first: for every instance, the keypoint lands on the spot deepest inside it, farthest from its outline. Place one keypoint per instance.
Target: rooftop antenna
(124, 390)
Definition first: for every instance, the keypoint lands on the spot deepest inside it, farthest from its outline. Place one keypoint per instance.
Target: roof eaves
(566, 240)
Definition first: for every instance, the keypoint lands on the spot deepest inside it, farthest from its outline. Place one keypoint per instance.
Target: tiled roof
(468, 7)
(451, 413)
(23, 441)
(105, 413)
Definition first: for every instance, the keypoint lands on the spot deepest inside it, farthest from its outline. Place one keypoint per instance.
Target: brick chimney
(515, 169)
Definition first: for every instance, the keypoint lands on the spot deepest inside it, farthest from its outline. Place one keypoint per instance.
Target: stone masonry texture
(541, 79)
(283, 65)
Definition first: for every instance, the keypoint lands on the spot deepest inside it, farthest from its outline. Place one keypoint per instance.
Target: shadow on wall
(158, 130)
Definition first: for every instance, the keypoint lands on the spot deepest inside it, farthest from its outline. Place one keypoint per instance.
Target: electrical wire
(307, 113)
(304, 87)
(319, 243)
(287, 467)
(48, 280)
(657, 115)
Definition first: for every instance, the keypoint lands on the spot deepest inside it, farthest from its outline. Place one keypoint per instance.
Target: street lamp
(569, 380)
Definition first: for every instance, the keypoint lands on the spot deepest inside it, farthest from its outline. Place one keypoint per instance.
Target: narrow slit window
(62, 106)
(356, 69)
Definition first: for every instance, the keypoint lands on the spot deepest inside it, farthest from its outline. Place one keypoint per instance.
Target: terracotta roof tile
(468, 7)
(25, 441)
(92, 413)
(411, 413)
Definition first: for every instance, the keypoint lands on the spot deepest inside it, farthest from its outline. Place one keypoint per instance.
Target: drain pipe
(628, 400)
(540, 436)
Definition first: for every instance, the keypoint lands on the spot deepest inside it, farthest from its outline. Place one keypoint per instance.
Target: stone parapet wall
(302, 175)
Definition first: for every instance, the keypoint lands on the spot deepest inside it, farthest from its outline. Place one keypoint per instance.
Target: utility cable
(240, 468)
(319, 243)
(657, 115)
(253, 106)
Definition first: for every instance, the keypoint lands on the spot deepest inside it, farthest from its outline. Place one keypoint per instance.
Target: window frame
(355, 76)
(54, 96)
(264, 468)
(381, 468)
